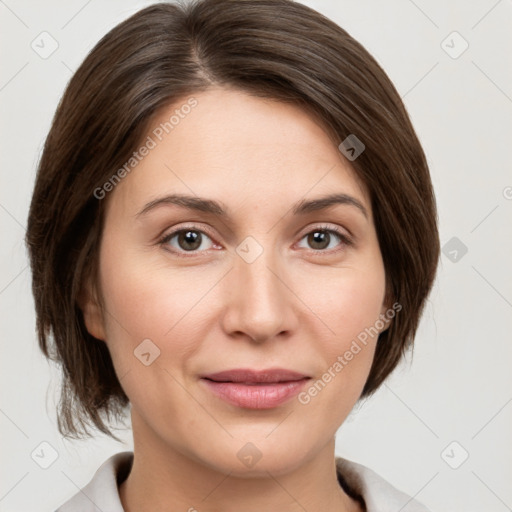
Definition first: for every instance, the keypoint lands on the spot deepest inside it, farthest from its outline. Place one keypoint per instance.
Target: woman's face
(189, 292)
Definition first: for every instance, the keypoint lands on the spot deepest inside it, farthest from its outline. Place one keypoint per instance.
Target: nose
(260, 303)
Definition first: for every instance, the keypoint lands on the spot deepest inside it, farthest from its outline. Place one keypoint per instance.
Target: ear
(92, 311)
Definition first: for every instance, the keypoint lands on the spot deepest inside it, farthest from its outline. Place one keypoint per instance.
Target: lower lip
(257, 396)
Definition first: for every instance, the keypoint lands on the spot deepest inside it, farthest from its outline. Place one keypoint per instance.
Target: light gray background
(457, 387)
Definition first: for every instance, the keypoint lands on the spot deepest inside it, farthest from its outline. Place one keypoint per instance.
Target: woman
(233, 233)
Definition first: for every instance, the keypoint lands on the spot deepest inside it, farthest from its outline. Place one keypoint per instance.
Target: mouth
(253, 389)
(247, 376)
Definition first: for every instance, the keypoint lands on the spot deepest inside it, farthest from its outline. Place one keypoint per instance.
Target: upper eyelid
(198, 227)
(192, 227)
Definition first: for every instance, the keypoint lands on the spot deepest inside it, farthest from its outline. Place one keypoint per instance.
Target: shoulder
(101, 493)
(378, 494)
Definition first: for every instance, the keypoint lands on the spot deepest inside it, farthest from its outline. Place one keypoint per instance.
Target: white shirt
(101, 494)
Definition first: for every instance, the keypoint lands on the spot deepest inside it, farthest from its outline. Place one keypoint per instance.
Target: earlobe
(92, 313)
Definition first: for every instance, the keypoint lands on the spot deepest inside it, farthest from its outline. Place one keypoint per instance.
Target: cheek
(148, 310)
(349, 303)
(147, 300)
(350, 308)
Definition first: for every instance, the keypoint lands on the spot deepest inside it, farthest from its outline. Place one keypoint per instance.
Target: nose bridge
(260, 298)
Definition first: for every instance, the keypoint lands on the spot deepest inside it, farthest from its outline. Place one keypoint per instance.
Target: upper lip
(255, 376)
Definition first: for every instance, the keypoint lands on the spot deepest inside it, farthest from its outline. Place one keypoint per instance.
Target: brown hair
(275, 49)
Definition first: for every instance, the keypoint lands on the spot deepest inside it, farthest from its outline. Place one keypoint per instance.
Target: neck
(163, 478)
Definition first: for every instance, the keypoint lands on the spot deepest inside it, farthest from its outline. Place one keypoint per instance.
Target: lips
(253, 389)
(247, 376)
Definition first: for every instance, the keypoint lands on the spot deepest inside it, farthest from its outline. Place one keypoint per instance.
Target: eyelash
(345, 239)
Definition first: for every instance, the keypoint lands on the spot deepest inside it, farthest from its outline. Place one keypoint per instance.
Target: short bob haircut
(275, 49)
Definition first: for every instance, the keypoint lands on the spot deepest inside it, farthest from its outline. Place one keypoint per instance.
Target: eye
(184, 240)
(320, 238)
(193, 240)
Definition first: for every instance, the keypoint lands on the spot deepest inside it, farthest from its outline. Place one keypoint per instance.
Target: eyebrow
(216, 208)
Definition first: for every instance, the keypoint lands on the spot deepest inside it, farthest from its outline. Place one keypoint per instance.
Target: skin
(297, 306)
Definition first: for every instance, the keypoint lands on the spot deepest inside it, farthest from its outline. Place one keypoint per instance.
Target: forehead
(237, 148)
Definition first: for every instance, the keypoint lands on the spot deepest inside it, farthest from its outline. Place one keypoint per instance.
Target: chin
(246, 459)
